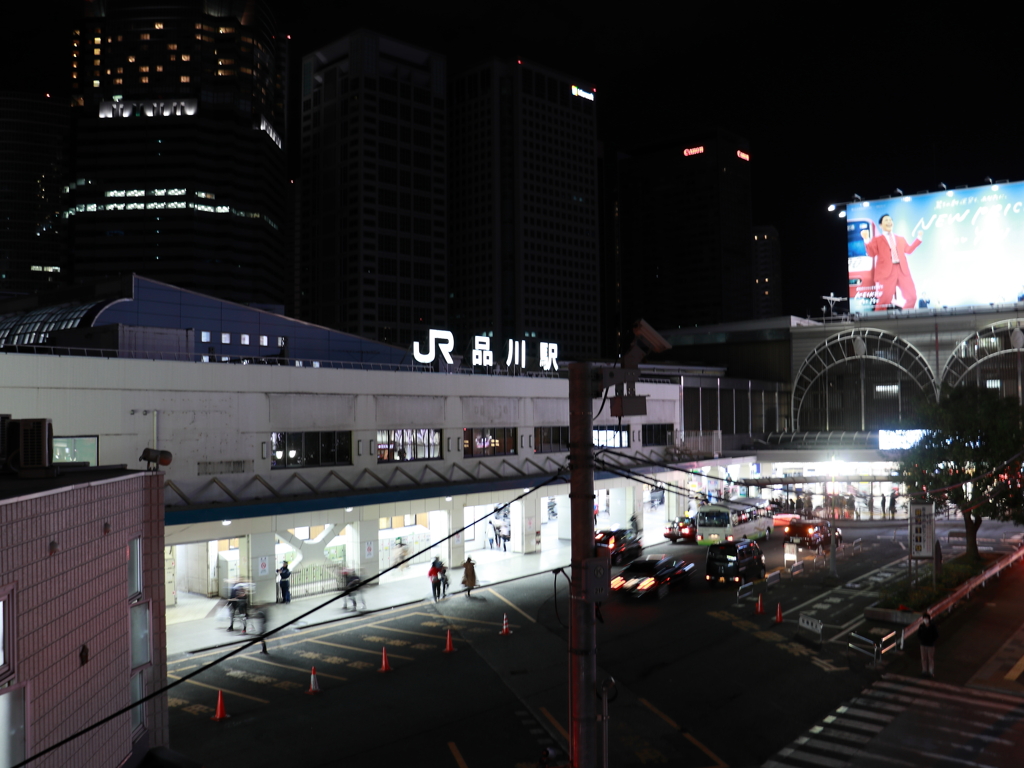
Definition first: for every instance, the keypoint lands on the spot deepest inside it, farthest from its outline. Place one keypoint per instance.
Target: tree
(970, 455)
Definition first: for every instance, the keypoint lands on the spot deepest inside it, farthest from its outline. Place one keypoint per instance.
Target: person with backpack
(352, 585)
(434, 574)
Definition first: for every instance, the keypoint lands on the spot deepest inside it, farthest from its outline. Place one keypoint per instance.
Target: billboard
(954, 248)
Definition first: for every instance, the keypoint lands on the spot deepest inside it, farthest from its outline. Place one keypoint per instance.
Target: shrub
(922, 595)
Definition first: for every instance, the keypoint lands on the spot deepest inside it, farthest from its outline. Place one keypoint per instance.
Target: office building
(686, 232)
(179, 146)
(372, 234)
(524, 231)
(33, 175)
(767, 256)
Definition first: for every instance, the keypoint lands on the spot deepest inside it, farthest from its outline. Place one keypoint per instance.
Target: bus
(717, 523)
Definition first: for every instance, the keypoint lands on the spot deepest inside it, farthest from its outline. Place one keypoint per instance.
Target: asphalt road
(703, 679)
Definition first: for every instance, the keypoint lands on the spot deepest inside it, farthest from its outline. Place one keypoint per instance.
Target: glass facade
(489, 441)
(408, 445)
(310, 449)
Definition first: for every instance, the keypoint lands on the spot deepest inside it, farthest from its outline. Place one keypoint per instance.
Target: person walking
(927, 636)
(892, 504)
(469, 575)
(434, 574)
(883, 505)
(286, 575)
(353, 584)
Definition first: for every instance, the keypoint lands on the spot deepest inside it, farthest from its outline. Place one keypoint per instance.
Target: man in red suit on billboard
(889, 255)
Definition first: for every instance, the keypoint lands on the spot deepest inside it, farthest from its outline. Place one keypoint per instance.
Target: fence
(316, 579)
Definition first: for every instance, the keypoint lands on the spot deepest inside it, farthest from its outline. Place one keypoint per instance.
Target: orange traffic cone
(314, 686)
(778, 613)
(504, 626)
(384, 666)
(221, 713)
(448, 646)
(760, 605)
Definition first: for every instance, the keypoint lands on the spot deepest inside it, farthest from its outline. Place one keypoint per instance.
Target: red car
(682, 529)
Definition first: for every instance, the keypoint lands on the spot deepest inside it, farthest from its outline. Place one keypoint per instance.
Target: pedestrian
(352, 585)
(434, 574)
(285, 574)
(444, 578)
(892, 504)
(469, 575)
(927, 636)
(883, 505)
(237, 604)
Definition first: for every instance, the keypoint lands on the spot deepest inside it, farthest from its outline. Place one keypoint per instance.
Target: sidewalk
(195, 623)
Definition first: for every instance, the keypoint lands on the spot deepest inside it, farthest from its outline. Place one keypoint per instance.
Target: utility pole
(582, 621)
(590, 582)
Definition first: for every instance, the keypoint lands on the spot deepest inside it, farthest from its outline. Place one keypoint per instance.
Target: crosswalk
(903, 721)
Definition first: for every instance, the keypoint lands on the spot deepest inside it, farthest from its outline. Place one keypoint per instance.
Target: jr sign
(482, 354)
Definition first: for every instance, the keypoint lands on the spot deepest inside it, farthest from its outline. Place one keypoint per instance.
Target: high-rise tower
(524, 231)
(372, 234)
(179, 148)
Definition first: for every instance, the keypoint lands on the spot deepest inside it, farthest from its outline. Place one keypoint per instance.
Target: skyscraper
(524, 231)
(179, 149)
(686, 232)
(373, 205)
(33, 174)
(767, 273)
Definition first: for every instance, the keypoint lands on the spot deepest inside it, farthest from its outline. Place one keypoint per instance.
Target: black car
(621, 544)
(811, 534)
(735, 561)
(651, 575)
(681, 530)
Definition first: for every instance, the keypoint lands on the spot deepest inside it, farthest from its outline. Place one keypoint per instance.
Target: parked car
(811, 534)
(738, 561)
(681, 529)
(621, 544)
(651, 575)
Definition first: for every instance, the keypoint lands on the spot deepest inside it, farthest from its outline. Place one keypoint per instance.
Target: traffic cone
(314, 686)
(778, 613)
(384, 666)
(221, 713)
(760, 605)
(504, 626)
(448, 646)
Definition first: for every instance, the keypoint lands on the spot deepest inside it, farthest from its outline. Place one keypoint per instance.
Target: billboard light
(936, 235)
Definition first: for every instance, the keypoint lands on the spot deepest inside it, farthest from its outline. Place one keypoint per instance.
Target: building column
(261, 564)
(527, 539)
(362, 549)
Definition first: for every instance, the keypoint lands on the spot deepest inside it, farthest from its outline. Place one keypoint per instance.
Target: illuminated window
(131, 59)
(172, 46)
(144, 36)
(225, 338)
(95, 83)
(143, 79)
(96, 40)
(185, 78)
(95, 51)
(118, 81)
(186, 57)
(226, 30)
(143, 69)
(173, 57)
(263, 341)
(158, 25)
(204, 335)
(95, 62)
(245, 339)
(159, 68)
(120, 70)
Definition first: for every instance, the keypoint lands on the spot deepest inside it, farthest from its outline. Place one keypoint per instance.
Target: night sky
(861, 100)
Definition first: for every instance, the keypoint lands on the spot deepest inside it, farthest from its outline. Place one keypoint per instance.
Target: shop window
(204, 335)
(310, 449)
(611, 437)
(550, 439)
(489, 441)
(408, 445)
(657, 434)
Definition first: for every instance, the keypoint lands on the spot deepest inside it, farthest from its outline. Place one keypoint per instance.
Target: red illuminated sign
(690, 151)
(742, 155)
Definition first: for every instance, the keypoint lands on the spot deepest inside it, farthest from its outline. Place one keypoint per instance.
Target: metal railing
(876, 649)
(316, 579)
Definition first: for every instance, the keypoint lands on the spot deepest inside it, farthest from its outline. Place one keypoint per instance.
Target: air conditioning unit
(35, 442)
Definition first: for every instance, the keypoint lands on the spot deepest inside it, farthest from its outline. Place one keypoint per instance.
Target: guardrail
(797, 567)
(857, 545)
(745, 590)
(811, 626)
(775, 577)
